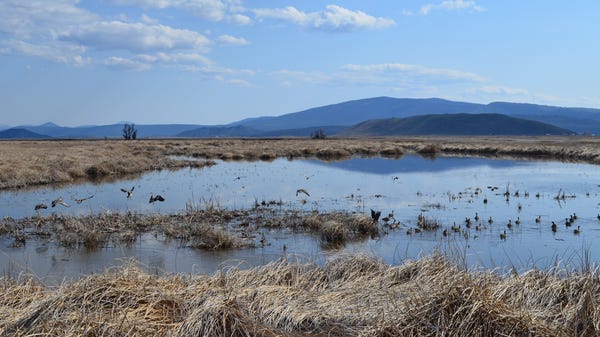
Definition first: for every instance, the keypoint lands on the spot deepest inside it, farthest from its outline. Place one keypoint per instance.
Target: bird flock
(59, 201)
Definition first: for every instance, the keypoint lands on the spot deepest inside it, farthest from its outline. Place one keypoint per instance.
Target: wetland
(267, 216)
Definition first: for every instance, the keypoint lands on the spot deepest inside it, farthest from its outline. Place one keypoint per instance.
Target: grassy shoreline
(349, 296)
(33, 163)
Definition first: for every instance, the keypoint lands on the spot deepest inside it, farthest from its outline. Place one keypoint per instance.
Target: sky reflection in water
(441, 189)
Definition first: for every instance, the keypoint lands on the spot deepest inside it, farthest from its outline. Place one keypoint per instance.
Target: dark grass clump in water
(427, 224)
(205, 226)
(349, 296)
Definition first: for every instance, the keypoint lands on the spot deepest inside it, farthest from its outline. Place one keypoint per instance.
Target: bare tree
(319, 134)
(129, 131)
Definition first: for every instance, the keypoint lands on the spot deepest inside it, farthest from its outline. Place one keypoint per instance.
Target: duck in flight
(301, 190)
(157, 197)
(59, 201)
(79, 201)
(40, 206)
(129, 192)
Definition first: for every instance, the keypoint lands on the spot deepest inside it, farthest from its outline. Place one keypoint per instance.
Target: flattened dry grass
(30, 163)
(349, 296)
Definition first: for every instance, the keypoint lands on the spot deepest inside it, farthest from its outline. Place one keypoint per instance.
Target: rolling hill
(580, 120)
(21, 133)
(336, 117)
(454, 125)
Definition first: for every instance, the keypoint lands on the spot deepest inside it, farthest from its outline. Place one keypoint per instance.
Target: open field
(350, 296)
(31, 163)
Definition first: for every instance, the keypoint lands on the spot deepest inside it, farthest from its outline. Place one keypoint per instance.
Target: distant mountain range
(454, 125)
(21, 133)
(342, 119)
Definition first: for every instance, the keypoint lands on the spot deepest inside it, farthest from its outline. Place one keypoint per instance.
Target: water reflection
(447, 190)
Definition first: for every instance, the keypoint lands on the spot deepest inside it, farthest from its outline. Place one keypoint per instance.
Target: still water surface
(448, 190)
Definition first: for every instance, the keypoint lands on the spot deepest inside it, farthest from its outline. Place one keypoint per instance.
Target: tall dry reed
(349, 296)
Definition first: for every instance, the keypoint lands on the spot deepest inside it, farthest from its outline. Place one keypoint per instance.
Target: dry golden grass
(350, 296)
(29, 163)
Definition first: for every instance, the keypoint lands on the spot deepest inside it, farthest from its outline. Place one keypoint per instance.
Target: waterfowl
(129, 192)
(445, 232)
(503, 235)
(263, 239)
(40, 206)
(476, 217)
(518, 221)
(478, 227)
(301, 190)
(375, 215)
(577, 230)
(554, 227)
(410, 231)
(568, 222)
(157, 197)
(59, 201)
(538, 219)
(490, 220)
(598, 216)
(485, 200)
(79, 201)
(509, 224)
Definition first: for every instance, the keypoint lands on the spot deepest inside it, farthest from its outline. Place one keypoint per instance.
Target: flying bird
(40, 206)
(59, 201)
(129, 192)
(157, 197)
(301, 190)
(375, 215)
(79, 201)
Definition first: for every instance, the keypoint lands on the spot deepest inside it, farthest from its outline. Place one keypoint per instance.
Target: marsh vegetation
(471, 208)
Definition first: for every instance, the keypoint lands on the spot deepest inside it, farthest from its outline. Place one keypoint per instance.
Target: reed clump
(349, 296)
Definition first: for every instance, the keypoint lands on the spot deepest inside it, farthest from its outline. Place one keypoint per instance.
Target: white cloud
(412, 70)
(232, 40)
(135, 37)
(240, 19)
(120, 63)
(452, 5)
(496, 89)
(334, 18)
(213, 10)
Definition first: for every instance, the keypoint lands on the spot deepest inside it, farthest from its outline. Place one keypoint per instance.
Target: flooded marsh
(506, 241)
(489, 213)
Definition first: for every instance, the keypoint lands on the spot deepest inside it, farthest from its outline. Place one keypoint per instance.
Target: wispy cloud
(451, 5)
(502, 90)
(385, 70)
(334, 18)
(214, 10)
(387, 76)
(232, 40)
(135, 37)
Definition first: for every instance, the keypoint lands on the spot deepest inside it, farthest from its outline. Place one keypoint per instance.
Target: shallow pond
(446, 189)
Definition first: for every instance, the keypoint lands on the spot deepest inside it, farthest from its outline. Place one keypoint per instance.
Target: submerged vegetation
(30, 163)
(349, 296)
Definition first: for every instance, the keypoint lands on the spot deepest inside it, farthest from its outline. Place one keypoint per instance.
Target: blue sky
(218, 61)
